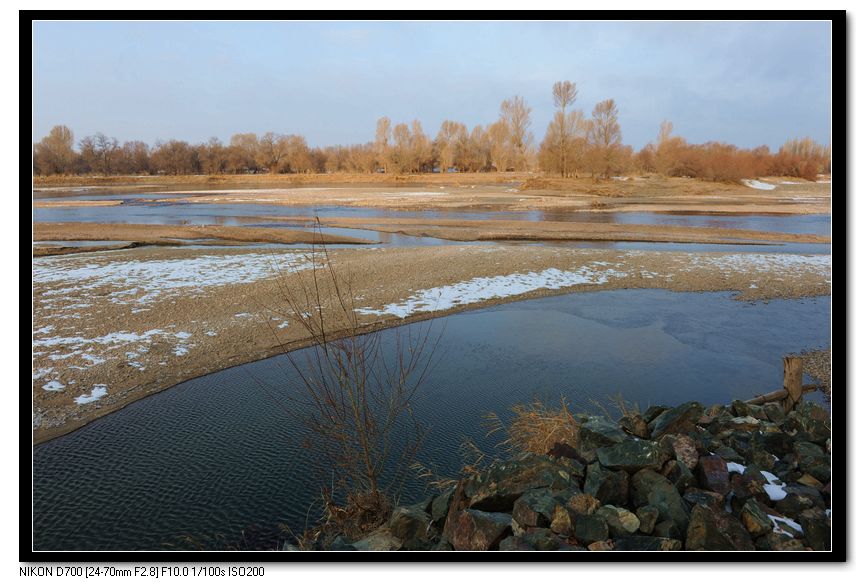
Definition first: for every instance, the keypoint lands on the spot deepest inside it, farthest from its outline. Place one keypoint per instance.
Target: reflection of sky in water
(221, 453)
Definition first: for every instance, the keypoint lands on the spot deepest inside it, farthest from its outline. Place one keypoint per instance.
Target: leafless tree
(54, 154)
(515, 115)
(605, 136)
(382, 141)
(451, 136)
(564, 95)
(500, 145)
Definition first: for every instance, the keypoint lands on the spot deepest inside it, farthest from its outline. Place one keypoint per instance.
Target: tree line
(574, 145)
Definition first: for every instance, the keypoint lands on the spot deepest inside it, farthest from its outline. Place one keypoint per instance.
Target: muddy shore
(110, 328)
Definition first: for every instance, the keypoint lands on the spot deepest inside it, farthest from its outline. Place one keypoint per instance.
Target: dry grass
(536, 427)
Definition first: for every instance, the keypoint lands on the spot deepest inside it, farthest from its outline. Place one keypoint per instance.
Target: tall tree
(382, 141)
(605, 135)
(564, 95)
(54, 154)
(515, 115)
(451, 135)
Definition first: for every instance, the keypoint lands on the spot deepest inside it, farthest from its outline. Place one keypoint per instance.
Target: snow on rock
(775, 488)
(735, 468)
(785, 520)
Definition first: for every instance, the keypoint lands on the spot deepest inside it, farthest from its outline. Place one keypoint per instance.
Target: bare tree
(451, 135)
(54, 154)
(515, 115)
(605, 135)
(382, 139)
(564, 95)
(271, 151)
(500, 145)
(400, 151)
(355, 390)
(421, 147)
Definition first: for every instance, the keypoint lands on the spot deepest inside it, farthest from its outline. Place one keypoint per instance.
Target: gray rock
(630, 456)
(650, 488)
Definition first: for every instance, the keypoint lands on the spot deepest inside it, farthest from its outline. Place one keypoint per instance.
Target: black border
(839, 70)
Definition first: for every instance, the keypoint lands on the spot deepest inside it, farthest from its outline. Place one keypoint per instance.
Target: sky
(745, 83)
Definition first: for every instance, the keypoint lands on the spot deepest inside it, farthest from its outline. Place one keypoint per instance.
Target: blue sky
(743, 83)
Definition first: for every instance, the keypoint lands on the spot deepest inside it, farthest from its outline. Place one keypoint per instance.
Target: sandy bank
(170, 234)
(132, 323)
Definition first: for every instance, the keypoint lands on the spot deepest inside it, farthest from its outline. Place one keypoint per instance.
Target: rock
(413, 526)
(497, 488)
(774, 411)
(648, 516)
(652, 412)
(620, 521)
(749, 484)
(710, 499)
(381, 540)
(809, 481)
(543, 540)
(667, 529)
(729, 454)
(340, 544)
(575, 468)
(610, 487)
(678, 474)
(289, 547)
(782, 543)
(589, 528)
(634, 424)
(755, 520)
(713, 474)
(762, 460)
(798, 499)
(816, 529)
(583, 504)
(602, 546)
(595, 433)
(681, 448)
(809, 421)
(630, 456)
(534, 508)
(681, 419)
(776, 442)
(562, 450)
(439, 507)
(479, 530)
(811, 459)
(562, 521)
(514, 544)
(645, 543)
(442, 546)
(650, 488)
(714, 530)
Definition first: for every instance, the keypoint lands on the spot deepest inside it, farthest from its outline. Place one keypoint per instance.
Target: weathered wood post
(792, 381)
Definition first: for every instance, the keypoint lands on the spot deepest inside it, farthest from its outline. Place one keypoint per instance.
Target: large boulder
(678, 474)
(650, 488)
(381, 540)
(595, 433)
(716, 530)
(534, 508)
(479, 530)
(713, 474)
(816, 528)
(413, 526)
(610, 487)
(681, 448)
(589, 528)
(648, 516)
(681, 419)
(630, 456)
(497, 488)
(755, 520)
(619, 520)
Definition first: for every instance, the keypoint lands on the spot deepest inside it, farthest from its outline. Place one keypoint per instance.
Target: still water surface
(196, 465)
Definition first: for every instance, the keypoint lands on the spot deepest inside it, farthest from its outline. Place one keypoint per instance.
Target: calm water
(220, 455)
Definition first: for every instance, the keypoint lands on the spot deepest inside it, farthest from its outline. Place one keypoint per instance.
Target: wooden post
(792, 381)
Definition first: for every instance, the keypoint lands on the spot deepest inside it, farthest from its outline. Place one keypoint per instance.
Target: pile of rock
(740, 477)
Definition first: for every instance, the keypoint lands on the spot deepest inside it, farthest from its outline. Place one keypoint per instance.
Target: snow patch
(485, 288)
(736, 468)
(53, 386)
(99, 390)
(776, 520)
(757, 184)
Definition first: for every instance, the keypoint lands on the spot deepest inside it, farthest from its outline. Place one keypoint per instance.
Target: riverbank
(111, 328)
(692, 477)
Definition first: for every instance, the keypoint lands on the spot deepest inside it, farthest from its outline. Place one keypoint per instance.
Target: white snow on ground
(786, 520)
(42, 372)
(111, 338)
(53, 386)
(765, 263)
(485, 288)
(99, 390)
(758, 185)
(154, 278)
(775, 488)
(735, 468)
